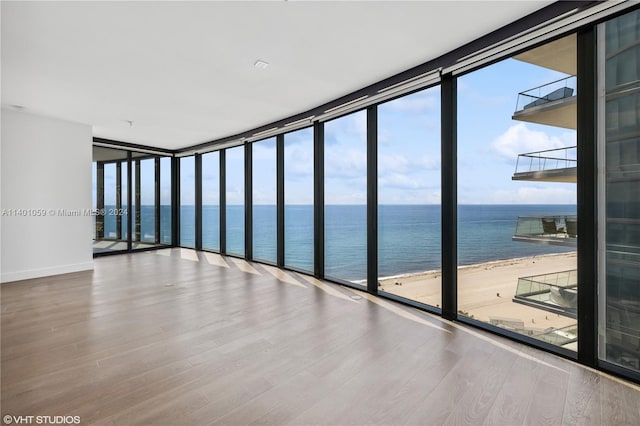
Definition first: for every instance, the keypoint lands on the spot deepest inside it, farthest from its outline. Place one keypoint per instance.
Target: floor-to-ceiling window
(517, 178)
(123, 208)
(151, 195)
(211, 201)
(298, 199)
(111, 191)
(165, 200)
(517, 223)
(409, 232)
(345, 195)
(149, 214)
(187, 202)
(234, 190)
(149, 206)
(619, 60)
(110, 209)
(264, 200)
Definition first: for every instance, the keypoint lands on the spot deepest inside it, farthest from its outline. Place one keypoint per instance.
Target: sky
(489, 142)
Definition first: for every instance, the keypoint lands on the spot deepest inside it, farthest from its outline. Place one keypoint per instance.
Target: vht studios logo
(41, 420)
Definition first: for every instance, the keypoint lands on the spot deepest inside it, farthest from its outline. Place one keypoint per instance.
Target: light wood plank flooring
(180, 337)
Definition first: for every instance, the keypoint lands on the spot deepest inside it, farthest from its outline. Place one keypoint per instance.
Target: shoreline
(500, 262)
(486, 290)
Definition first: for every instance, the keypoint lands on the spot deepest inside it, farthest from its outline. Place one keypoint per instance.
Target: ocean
(408, 235)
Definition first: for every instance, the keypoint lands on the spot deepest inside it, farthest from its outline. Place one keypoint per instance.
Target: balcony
(554, 230)
(566, 337)
(552, 104)
(551, 165)
(559, 55)
(556, 292)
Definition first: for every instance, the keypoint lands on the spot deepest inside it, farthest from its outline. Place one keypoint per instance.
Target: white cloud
(421, 195)
(347, 130)
(264, 150)
(235, 195)
(264, 196)
(534, 195)
(400, 181)
(399, 163)
(302, 136)
(419, 102)
(469, 94)
(390, 163)
(434, 197)
(298, 160)
(211, 197)
(211, 175)
(519, 139)
(299, 195)
(426, 163)
(358, 122)
(341, 162)
(235, 154)
(346, 198)
(384, 136)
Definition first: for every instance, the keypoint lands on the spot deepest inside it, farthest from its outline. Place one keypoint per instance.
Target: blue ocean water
(147, 223)
(408, 235)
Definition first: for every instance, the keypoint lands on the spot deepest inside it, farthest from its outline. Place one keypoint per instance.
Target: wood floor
(178, 337)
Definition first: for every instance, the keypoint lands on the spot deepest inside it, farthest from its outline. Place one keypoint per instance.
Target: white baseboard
(6, 277)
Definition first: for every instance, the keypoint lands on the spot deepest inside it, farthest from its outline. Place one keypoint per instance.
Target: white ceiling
(184, 72)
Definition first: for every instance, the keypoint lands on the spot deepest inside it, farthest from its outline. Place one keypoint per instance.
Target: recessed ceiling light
(261, 64)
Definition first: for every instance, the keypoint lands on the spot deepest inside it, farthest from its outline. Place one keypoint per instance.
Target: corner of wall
(45, 170)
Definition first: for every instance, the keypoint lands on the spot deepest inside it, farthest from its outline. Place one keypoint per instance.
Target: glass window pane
(211, 201)
(110, 201)
(124, 190)
(165, 200)
(264, 200)
(109, 175)
(298, 199)
(517, 223)
(620, 284)
(187, 202)
(345, 191)
(235, 200)
(148, 201)
(134, 203)
(409, 232)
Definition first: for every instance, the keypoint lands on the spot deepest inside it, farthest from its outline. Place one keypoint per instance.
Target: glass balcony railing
(550, 159)
(556, 292)
(563, 336)
(560, 336)
(558, 230)
(547, 93)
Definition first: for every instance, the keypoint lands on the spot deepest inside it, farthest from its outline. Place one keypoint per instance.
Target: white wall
(45, 163)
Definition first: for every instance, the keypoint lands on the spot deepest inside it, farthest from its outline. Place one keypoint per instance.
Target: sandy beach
(486, 290)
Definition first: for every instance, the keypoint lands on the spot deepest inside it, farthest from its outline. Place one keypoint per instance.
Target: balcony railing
(549, 159)
(556, 292)
(550, 92)
(558, 336)
(556, 230)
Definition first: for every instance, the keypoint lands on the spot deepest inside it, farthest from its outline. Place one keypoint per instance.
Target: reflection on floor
(102, 246)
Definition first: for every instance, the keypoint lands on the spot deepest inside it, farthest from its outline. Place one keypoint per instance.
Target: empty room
(320, 213)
